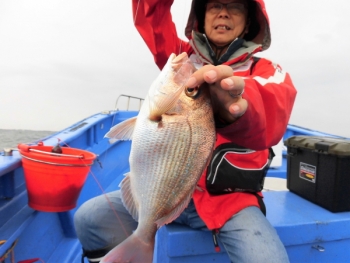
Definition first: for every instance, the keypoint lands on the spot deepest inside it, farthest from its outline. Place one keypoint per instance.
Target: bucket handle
(58, 154)
(26, 148)
(57, 164)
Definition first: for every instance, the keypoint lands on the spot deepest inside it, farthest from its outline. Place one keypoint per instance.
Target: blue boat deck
(309, 232)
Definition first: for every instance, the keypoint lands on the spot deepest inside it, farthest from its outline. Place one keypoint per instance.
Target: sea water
(11, 138)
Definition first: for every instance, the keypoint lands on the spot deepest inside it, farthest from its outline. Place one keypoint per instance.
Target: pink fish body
(172, 140)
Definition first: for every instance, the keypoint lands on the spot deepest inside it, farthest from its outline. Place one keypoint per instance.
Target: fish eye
(191, 92)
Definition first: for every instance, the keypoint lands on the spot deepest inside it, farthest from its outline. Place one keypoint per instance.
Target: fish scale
(154, 185)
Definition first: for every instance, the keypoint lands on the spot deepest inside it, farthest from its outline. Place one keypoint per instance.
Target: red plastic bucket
(54, 181)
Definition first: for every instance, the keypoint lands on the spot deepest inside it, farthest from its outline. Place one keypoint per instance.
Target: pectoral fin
(122, 131)
(161, 103)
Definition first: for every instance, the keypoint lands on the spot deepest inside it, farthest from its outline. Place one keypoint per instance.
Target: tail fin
(133, 250)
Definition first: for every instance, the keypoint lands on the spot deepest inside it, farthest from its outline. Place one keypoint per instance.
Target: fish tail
(133, 250)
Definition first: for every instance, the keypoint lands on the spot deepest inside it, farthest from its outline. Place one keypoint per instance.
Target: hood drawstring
(218, 56)
(218, 52)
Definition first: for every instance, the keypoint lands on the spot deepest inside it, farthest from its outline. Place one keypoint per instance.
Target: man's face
(224, 23)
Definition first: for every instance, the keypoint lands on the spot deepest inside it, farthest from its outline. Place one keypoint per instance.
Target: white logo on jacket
(277, 78)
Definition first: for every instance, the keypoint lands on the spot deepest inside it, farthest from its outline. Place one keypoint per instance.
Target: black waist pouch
(237, 169)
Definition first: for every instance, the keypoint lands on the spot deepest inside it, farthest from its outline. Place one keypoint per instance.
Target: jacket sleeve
(153, 21)
(270, 94)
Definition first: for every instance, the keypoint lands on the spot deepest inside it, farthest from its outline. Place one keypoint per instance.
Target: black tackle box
(318, 169)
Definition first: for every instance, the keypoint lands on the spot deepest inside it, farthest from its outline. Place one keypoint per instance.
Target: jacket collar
(237, 53)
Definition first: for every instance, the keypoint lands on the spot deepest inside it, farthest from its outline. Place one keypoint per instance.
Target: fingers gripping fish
(172, 140)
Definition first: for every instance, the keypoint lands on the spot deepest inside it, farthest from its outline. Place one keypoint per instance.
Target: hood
(260, 18)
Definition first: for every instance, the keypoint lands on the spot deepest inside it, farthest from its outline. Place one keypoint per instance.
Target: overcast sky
(61, 61)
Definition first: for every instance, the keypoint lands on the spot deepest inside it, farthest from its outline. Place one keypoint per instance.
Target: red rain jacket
(268, 89)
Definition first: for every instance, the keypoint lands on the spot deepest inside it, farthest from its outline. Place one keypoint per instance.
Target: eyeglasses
(232, 8)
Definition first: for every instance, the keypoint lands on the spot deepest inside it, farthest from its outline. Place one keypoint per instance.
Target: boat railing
(129, 101)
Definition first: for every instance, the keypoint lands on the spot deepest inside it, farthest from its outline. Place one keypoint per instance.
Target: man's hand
(225, 89)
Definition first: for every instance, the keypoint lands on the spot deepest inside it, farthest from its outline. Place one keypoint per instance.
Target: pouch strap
(260, 200)
(261, 203)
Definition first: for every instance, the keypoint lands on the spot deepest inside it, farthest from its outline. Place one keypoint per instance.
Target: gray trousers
(247, 236)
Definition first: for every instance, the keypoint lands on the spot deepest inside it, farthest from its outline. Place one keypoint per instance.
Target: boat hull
(309, 232)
